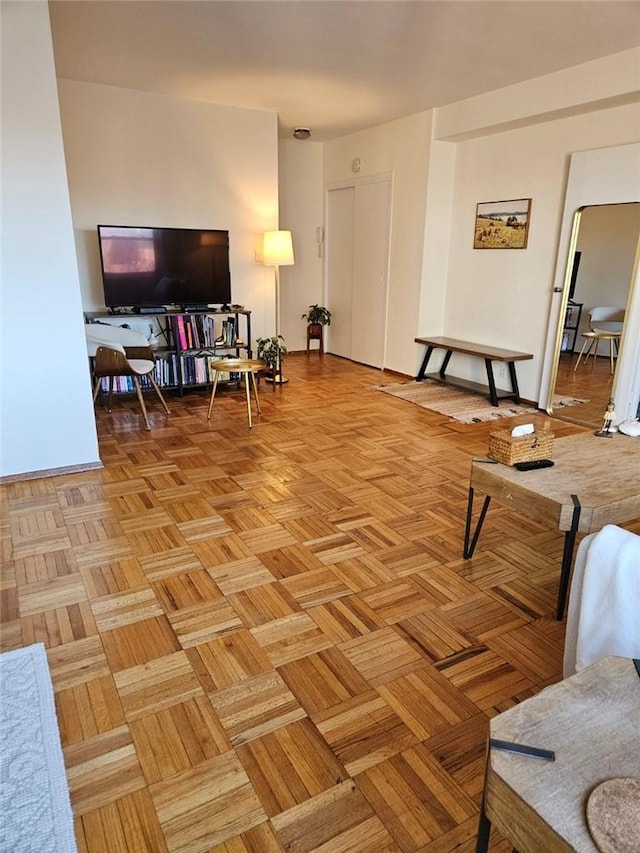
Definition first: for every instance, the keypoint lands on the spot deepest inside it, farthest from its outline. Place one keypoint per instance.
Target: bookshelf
(571, 326)
(185, 344)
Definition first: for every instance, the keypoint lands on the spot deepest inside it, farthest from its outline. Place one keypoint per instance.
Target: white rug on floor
(34, 795)
(463, 406)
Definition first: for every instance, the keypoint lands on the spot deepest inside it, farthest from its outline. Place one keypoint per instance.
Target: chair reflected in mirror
(605, 324)
(117, 351)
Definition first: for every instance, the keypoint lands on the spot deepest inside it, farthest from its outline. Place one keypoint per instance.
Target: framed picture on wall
(502, 224)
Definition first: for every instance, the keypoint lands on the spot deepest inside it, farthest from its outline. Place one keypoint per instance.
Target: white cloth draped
(603, 617)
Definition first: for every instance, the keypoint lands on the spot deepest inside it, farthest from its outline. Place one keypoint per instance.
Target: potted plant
(273, 351)
(317, 315)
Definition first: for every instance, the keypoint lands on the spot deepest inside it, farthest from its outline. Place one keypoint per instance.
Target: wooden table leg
(255, 391)
(213, 394)
(246, 388)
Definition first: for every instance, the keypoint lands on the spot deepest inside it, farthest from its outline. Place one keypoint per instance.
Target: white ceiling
(330, 65)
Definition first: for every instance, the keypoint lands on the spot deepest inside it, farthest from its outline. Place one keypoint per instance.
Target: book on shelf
(182, 337)
(230, 331)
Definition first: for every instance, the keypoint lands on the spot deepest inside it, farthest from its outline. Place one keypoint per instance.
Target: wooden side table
(248, 367)
(314, 333)
(590, 723)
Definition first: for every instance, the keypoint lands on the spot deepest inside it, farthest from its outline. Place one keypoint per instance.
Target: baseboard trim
(51, 472)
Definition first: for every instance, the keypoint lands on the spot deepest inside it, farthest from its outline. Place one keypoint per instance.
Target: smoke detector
(302, 133)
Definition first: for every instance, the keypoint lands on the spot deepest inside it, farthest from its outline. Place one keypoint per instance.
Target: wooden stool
(314, 333)
(245, 366)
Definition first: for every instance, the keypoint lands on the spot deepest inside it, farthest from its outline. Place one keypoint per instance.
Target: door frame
(355, 182)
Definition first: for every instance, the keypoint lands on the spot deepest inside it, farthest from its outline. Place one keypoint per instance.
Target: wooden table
(246, 366)
(594, 481)
(590, 722)
(489, 354)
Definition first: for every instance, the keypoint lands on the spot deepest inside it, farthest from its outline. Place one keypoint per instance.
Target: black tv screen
(153, 267)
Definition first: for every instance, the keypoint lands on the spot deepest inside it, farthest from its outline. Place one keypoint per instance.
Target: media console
(190, 342)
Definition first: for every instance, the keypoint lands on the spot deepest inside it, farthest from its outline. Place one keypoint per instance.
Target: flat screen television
(156, 267)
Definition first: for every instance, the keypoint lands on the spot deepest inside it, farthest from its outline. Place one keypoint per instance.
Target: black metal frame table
(593, 482)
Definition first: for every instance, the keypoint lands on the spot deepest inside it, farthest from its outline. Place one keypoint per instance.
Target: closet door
(370, 266)
(340, 208)
(358, 219)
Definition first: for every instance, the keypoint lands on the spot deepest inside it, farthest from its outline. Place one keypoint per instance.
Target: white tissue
(523, 429)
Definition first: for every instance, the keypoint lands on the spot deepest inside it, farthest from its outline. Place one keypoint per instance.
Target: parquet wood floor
(268, 640)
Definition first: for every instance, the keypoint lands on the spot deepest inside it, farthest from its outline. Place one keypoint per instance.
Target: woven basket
(503, 447)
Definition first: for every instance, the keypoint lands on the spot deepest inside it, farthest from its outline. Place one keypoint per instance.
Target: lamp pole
(277, 252)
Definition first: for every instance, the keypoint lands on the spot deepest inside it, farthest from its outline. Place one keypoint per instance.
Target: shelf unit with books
(572, 318)
(185, 343)
(202, 337)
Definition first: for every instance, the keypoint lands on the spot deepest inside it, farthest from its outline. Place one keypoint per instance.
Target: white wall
(301, 212)
(46, 412)
(402, 148)
(135, 158)
(503, 297)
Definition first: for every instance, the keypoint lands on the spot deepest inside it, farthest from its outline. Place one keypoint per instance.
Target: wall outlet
(502, 371)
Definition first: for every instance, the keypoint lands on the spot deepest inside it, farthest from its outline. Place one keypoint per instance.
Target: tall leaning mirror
(599, 273)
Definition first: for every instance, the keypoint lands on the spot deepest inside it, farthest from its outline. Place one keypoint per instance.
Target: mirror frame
(564, 300)
(599, 176)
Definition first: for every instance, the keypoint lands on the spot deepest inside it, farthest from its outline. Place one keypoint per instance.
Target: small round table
(248, 367)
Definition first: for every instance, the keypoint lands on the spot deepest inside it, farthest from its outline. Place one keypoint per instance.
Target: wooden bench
(489, 354)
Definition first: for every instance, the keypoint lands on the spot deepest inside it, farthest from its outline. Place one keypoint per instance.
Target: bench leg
(514, 380)
(423, 366)
(492, 383)
(445, 363)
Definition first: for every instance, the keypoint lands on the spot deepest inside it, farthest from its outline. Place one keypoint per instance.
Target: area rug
(462, 406)
(34, 796)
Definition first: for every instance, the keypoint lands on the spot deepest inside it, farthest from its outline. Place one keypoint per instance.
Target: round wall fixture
(356, 164)
(302, 133)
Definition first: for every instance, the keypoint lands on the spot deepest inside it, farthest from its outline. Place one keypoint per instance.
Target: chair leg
(595, 352)
(159, 393)
(584, 346)
(96, 389)
(136, 382)
(110, 394)
(611, 353)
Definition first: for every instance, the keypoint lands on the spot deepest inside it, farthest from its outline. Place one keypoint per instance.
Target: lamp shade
(277, 250)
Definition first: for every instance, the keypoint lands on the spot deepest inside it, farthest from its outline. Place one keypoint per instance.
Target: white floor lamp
(277, 252)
